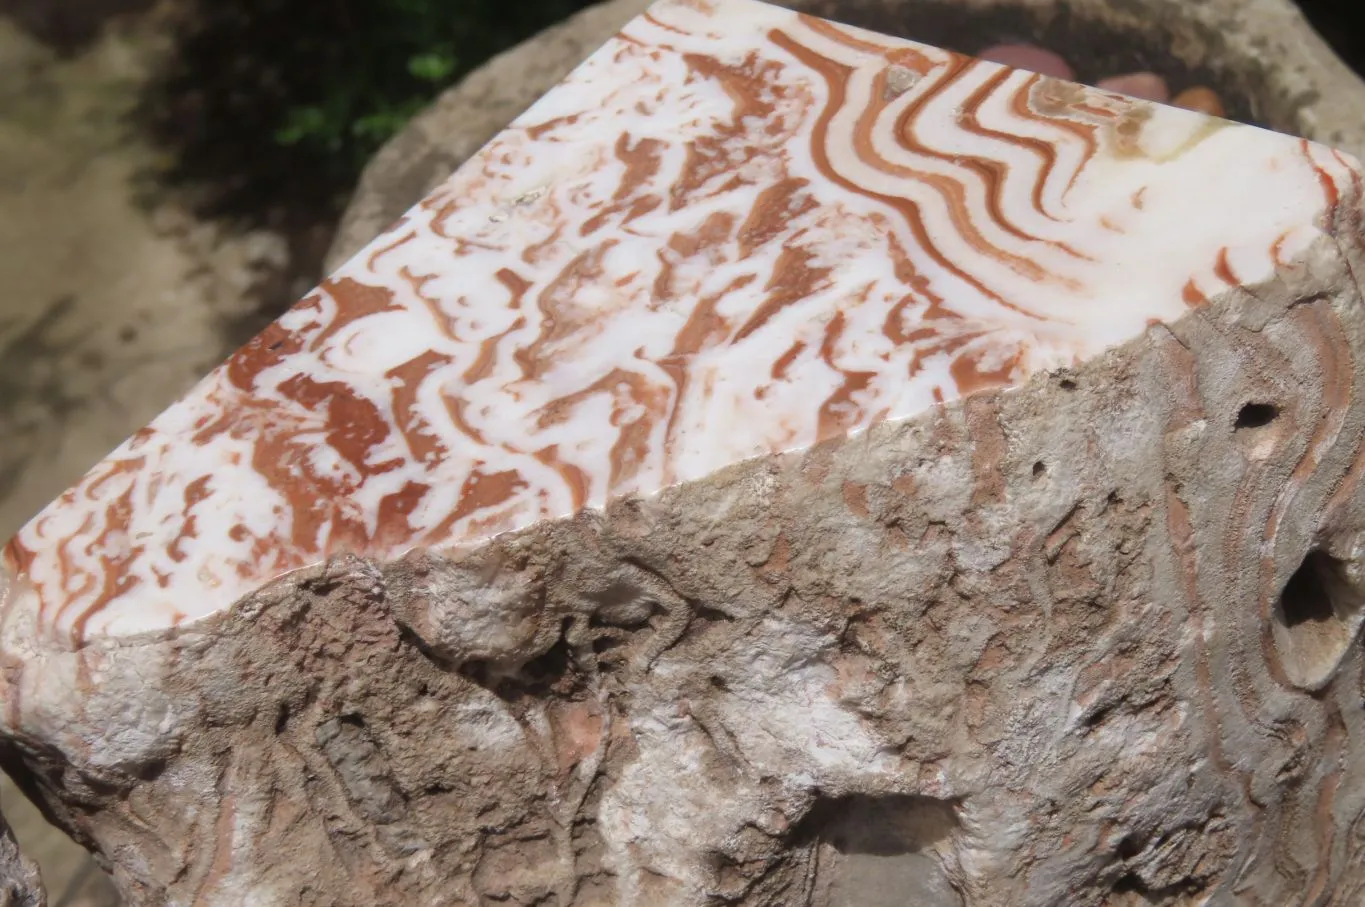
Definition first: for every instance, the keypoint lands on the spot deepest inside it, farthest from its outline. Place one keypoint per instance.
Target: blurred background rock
(171, 175)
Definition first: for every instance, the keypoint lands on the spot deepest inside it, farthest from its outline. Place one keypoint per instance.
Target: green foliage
(408, 51)
(281, 102)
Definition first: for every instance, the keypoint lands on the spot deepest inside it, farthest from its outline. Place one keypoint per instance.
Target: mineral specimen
(788, 462)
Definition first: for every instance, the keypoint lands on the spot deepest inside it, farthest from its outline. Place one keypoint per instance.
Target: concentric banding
(734, 230)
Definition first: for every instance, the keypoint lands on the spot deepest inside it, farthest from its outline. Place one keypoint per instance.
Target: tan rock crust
(1040, 630)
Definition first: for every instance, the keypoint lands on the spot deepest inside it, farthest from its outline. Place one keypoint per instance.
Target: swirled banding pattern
(734, 230)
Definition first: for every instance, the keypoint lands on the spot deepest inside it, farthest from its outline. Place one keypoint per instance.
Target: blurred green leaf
(382, 125)
(432, 67)
(301, 124)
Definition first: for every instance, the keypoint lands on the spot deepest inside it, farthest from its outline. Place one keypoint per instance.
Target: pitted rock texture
(1031, 648)
(20, 883)
(1087, 633)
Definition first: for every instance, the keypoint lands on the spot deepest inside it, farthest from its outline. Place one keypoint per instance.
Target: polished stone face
(734, 230)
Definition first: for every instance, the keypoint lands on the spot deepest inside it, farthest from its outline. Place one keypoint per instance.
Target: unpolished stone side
(20, 884)
(1030, 648)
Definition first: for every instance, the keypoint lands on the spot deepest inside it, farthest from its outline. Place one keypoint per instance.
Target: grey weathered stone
(20, 884)
(1046, 636)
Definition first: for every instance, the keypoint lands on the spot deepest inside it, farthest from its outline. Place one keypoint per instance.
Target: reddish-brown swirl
(734, 230)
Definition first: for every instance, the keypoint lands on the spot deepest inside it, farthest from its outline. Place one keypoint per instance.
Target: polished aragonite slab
(734, 230)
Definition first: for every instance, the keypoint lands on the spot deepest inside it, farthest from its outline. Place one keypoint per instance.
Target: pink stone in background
(1145, 85)
(1030, 57)
(1201, 99)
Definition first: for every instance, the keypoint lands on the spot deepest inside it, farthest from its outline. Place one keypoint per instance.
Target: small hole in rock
(1129, 847)
(887, 824)
(1316, 618)
(151, 770)
(1256, 415)
(1039, 468)
(477, 671)
(1067, 384)
(885, 844)
(1305, 598)
(543, 670)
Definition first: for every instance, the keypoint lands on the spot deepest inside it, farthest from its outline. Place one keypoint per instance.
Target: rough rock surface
(1081, 633)
(1263, 50)
(1038, 632)
(20, 884)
